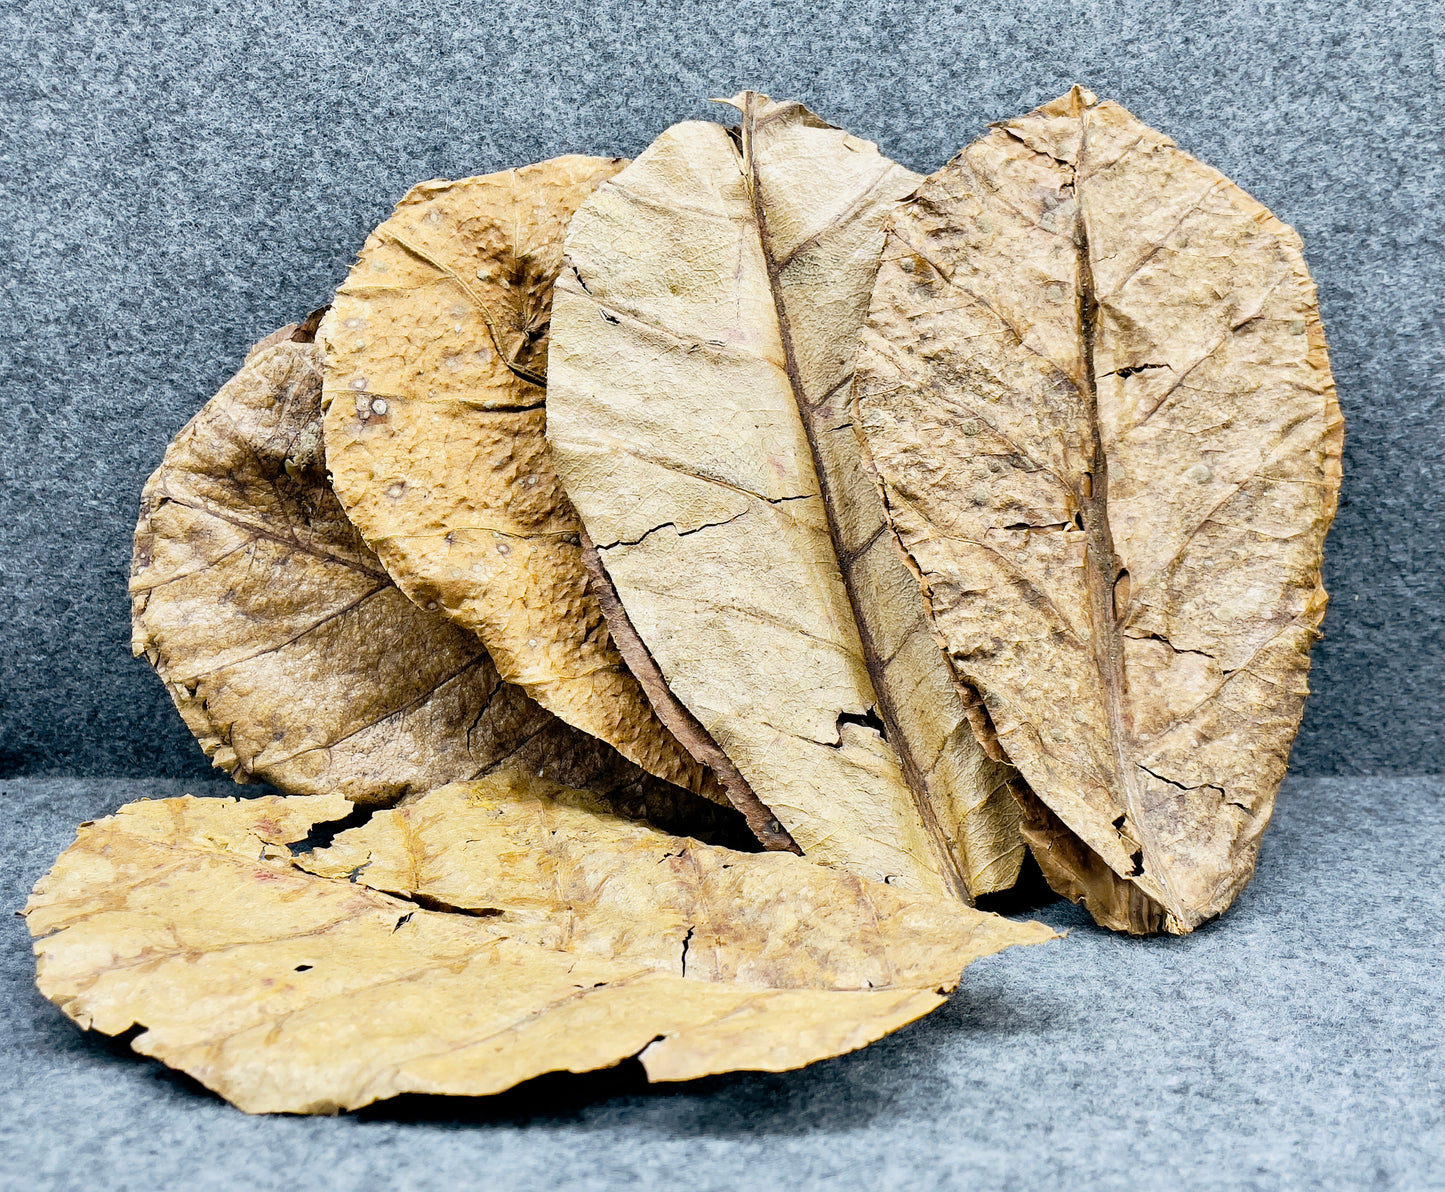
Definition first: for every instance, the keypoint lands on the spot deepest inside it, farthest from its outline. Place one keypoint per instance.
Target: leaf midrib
(913, 775)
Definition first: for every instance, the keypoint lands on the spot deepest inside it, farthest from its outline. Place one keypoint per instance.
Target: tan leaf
(703, 335)
(586, 939)
(1095, 387)
(436, 360)
(289, 651)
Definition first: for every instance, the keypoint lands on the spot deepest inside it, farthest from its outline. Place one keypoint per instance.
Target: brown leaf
(436, 360)
(289, 651)
(703, 335)
(1095, 387)
(577, 940)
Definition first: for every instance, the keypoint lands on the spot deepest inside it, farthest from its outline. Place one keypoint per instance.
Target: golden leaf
(570, 940)
(436, 360)
(287, 648)
(703, 334)
(1095, 388)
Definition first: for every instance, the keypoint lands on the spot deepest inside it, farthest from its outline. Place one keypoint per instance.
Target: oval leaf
(436, 361)
(1095, 387)
(525, 933)
(287, 648)
(703, 335)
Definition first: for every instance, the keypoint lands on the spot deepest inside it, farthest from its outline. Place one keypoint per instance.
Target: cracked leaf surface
(1095, 388)
(288, 650)
(703, 333)
(436, 362)
(591, 939)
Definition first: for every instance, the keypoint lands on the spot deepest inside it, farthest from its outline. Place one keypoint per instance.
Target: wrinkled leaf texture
(435, 398)
(288, 650)
(1095, 389)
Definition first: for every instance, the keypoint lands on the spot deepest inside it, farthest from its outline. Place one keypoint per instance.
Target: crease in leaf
(436, 363)
(297, 983)
(290, 653)
(701, 360)
(1095, 392)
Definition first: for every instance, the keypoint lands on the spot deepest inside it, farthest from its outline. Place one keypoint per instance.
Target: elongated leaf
(572, 941)
(287, 648)
(703, 333)
(436, 361)
(1095, 387)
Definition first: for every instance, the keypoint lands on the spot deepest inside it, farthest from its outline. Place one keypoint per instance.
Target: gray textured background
(178, 180)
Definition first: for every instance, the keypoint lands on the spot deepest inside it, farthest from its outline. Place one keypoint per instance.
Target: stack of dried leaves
(624, 529)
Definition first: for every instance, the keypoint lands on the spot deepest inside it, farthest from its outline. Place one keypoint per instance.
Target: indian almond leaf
(702, 338)
(289, 651)
(436, 360)
(472, 938)
(1094, 386)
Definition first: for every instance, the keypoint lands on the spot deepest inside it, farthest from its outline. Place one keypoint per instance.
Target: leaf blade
(1093, 372)
(444, 322)
(286, 647)
(701, 365)
(287, 990)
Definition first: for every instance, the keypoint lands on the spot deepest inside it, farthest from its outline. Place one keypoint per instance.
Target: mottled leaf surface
(472, 938)
(436, 362)
(1095, 389)
(289, 651)
(702, 341)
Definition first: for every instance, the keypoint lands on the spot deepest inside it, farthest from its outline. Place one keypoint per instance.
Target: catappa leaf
(525, 933)
(1095, 388)
(436, 361)
(288, 650)
(702, 340)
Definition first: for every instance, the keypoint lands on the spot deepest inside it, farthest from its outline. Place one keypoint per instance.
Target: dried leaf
(289, 651)
(436, 359)
(585, 939)
(1095, 387)
(703, 335)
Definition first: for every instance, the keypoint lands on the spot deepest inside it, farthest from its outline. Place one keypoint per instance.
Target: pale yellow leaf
(702, 341)
(563, 938)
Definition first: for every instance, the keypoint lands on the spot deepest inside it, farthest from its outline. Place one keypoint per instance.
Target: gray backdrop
(179, 180)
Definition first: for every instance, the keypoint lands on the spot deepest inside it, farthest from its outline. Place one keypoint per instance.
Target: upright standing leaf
(436, 363)
(702, 342)
(287, 648)
(1095, 388)
(525, 933)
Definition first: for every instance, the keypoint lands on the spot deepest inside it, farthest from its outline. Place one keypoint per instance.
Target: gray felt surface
(1294, 1044)
(179, 179)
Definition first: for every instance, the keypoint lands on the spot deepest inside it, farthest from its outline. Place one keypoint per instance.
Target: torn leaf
(1095, 389)
(290, 653)
(561, 939)
(702, 340)
(436, 362)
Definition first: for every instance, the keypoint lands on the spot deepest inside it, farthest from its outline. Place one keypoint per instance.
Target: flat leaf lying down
(436, 362)
(489, 932)
(1095, 388)
(702, 341)
(287, 648)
